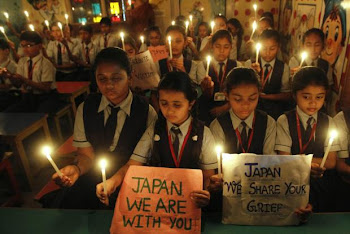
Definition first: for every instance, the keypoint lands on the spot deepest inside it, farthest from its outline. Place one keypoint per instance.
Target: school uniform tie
(176, 142)
(221, 71)
(244, 136)
(308, 130)
(59, 54)
(30, 69)
(87, 57)
(105, 41)
(266, 72)
(111, 125)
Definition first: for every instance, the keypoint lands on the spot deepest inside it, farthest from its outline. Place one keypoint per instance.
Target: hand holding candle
(122, 37)
(103, 164)
(208, 64)
(257, 47)
(170, 48)
(255, 25)
(46, 150)
(333, 135)
(218, 150)
(3, 32)
(303, 57)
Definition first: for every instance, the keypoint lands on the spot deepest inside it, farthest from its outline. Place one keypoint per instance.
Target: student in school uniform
(35, 75)
(106, 38)
(244, 129)
(108, 124)
(305, 130)
(313, 43)
(154, 36)
(274, 74)
(237, 32)
(9, 94)
(213, 103)
(58, 51)
(342, 121)
(176, 140)
(203, 32)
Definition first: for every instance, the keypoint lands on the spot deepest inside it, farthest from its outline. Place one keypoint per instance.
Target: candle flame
(218, 149)
(2, 29)
(169, 39)
(173, 22)
(6, 15)
(122, 35)
(26, 13)
(255, 25)
(255, 7)
(208, 58)
(212, 24)
(66, 16)
(191, 17)
(59, 25)
(333, 133)
(31, 27)
(103, 163)
(187, 23)
(303, 55)
(46, 150)
(142, 38)
(258, 46)
(47, 23)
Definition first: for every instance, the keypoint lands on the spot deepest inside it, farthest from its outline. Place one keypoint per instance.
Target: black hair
(106, 21)
(55, 24)
(181, 82)
(154, 29)
(177, 28)
(205, 24)
(309, 76)
(180, 20)
(268, 14)
(220, 34)
(315, 31)
(113, 55)
(239, 76)
(4, 45)
(267, 20)
(31, 36)
(86, 28)
(220, 17)
(270, 34)
(128, 40)
(240, 31)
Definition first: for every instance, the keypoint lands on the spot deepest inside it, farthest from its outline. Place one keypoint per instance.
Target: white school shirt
(80, 50)
(11, 66)
(343, 135)
(112, 41)
(52, 53)
(43, 71)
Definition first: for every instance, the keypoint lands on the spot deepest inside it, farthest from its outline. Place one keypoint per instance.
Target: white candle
(170, 49)
(333, 134)
(60, 26)
(3, 32)
(303, 57)
(142, 38)
(255, 8)
(103, 164)
(6, 16)
(27, 15)
(212, 24)
(122, 37)
(66, 17)
(31, 27)
(173, 22)
(47, 151)
(186, 24)
(257, 47)
(208, 64)
(191, 19)
(255, 25)
(218, 154)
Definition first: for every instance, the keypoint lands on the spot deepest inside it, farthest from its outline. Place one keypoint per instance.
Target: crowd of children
(265, 106)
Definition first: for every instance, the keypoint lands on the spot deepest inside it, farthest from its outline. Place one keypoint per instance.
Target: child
(36, 76)
(275, 96)
(154, 36)
(85, 52)
(203, 32)
(174, 130)
(313, 43)
(109, 123)
(58, 51)
(212, 103)
(106, 39)
(130, 46)
(237, 32)
(243, 129)
(194, 69)
(305, 130)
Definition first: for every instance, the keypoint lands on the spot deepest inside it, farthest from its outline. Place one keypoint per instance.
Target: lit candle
(60, 26)
(142, 38)
(46, 150)
(66, 17)
(333, 134)
(103, 164)
(122, 37)
(27, 15)
(31, 27)
(170, 49)
(255, 8)
(303, 57)
(255, 25)
(191, 19)
(47, 24)
(6, 16)
(129, 1)
(212, 24)
(208, 64)
(173, 22)
(218, 154)
(3, 32)
(186, 24)
(257, 47)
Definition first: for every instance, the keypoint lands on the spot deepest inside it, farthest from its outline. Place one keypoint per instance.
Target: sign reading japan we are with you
(264, 190)
(157, 200)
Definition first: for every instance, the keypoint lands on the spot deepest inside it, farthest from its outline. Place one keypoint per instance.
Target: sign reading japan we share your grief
(157, 200)
(264, 190)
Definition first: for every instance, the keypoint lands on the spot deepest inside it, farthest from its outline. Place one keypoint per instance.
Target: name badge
(219, 97)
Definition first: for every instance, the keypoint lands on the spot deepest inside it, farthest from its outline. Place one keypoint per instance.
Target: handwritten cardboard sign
(158, 52)
(144, 74)
(264, 190)
(157, 200)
